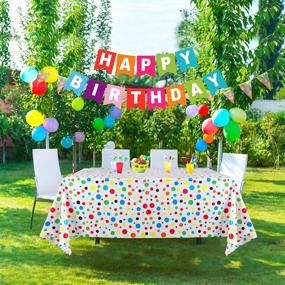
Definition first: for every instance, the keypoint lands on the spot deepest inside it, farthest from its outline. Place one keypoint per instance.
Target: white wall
(269, 105)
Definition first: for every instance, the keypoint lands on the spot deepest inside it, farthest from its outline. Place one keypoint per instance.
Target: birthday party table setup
(100, 203)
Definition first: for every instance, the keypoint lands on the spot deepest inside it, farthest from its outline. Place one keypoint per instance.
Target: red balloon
(208, 127)
(39, 87)
(203, 110)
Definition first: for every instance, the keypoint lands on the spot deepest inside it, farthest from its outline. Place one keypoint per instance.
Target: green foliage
(4, 43)
(262, 139)
(270, 26)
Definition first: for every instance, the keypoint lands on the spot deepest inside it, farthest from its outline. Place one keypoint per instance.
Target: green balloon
(98, 124)
(77, 104)
(232, 131)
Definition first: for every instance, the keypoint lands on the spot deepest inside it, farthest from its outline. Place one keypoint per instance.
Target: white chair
(108, 154)
(234, 165)
(47, 176)
(157, 158)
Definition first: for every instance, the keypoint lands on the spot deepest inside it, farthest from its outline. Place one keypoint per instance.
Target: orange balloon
(208, 138)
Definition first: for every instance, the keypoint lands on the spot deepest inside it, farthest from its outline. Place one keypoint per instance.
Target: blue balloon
(109, 122)
(29, 74)
(39, 133)
(201, 145)
(66, 142)
(221, 117)
(115, 112)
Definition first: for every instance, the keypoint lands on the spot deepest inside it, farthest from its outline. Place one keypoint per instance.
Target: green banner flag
(166, 63)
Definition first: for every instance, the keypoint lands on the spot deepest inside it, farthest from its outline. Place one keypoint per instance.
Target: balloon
(39, 87)
(50, 74)
(51, 125)
(115, 112)
(203, 110)
(77, 104)
(191, 111)
(201, 145)
(29, 74)
(110, 145)
(39, 133)
(66, 142)
(221, 117)
(98, 124)
(79, 137)
(208, 127)
(238, 115)
(34, 118)
(232, 131)
(208, 138)
(109, 122)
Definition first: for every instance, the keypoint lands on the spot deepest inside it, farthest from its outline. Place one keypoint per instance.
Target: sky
(139, 27)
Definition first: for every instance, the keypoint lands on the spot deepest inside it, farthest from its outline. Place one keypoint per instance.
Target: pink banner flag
(246, 87)
(61, 83)
(264, 79)
(229, 93)
(156, 98)
(114, 95)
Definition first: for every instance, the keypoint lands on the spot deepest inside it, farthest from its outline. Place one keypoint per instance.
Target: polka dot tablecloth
(99, 203)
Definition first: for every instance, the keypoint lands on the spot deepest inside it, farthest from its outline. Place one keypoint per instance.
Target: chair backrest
(234, 165)
(157, 158)
(108, 154)
(47, 170)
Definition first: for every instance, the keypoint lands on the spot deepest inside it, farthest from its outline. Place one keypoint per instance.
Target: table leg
(97, 240)
(198, 240)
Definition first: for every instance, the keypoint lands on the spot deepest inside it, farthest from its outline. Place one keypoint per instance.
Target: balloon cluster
(109, 121)
(38, 80)
(228, 120)
(41, 125)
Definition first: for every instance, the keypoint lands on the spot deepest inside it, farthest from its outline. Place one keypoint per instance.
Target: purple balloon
(79, 137)
(51, 125)
(191, 111)
(115, 112)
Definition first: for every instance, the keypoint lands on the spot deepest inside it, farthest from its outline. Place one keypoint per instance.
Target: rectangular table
(99, 203)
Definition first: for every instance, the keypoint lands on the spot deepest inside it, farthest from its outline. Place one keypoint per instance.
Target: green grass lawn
(27, 259)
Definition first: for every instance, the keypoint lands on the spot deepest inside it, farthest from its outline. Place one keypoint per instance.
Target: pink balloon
(208, 127)
(51, 125)
(79, 137)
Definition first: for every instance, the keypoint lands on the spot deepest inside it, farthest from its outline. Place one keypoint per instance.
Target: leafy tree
(4, 43)
(271, 30)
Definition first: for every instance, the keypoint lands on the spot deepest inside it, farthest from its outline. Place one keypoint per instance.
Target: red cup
(119, 166)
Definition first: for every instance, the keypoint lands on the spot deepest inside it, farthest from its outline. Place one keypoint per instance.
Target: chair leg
(97, 240)
(32, 217)
(198, 240)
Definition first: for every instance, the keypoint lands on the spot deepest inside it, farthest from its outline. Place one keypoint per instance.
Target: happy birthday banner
(153, 98)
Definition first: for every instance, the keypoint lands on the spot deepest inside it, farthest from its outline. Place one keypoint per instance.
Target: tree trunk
(209, 162)
(74, 159)
(79, 153)
(160, 144)
(94, 156)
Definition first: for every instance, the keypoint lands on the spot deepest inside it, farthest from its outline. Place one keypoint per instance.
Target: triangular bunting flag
(61, 83)
(264, 79)
(246, 87)
(229, 93)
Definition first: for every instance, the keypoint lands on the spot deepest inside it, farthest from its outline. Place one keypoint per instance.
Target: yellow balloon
(50, 74)
(34, 118)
